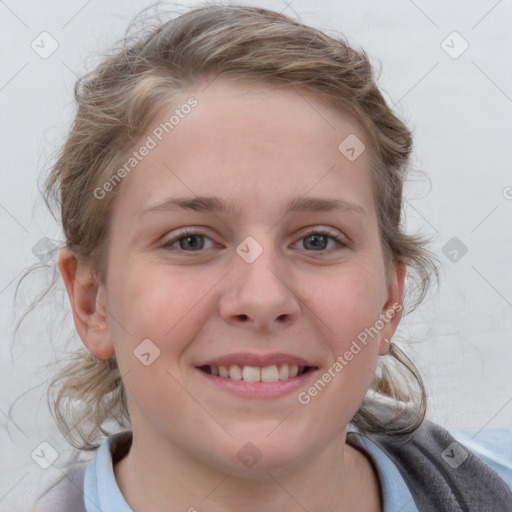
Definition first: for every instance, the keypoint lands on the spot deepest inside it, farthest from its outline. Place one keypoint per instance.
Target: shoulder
(86, 478)
(66, 494)
(454, 470)
(493, 446)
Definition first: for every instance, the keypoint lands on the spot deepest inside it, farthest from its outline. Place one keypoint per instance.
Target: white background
(459, 108)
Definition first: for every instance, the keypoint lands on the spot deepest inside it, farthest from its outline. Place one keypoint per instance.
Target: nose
(260, 295)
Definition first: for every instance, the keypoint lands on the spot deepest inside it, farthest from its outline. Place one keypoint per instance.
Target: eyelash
(320, 231)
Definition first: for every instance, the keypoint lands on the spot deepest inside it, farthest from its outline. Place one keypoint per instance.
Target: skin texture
(256, 146)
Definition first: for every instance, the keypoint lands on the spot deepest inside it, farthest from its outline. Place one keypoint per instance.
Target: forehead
(273, 113)
(253, 140)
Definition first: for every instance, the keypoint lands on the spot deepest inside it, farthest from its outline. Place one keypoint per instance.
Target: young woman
(231, 197)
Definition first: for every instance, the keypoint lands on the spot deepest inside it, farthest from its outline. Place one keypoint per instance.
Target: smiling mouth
(271, 373)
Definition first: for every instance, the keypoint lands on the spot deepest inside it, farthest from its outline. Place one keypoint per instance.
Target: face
(261, 280)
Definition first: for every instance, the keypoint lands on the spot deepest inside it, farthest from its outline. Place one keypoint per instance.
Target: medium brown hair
(116, 103)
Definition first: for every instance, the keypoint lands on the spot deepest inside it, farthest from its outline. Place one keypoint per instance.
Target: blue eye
(187, 239)
(190, 241)
(320, 239)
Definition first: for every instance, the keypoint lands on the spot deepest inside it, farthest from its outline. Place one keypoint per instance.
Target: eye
(186, 240)
(318, 240)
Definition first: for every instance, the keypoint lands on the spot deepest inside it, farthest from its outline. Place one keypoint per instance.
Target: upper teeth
(254, 374)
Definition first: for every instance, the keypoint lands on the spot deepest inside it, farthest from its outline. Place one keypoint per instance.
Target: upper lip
(261, 360)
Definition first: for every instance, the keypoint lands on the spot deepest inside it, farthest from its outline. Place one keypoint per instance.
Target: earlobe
(392, 309)
(87, 298)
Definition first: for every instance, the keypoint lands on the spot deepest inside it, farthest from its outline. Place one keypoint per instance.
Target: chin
(262, 457)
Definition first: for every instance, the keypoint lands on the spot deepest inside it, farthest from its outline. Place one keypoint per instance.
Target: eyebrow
(213, 204)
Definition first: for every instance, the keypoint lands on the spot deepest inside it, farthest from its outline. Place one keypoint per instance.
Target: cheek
(164, 305)
(147, 300)
(152, 322)
(349, 309)
(349, 303)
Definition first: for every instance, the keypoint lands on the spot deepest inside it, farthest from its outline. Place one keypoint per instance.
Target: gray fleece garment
(428, 461)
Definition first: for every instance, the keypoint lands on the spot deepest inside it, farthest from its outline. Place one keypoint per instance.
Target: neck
(156, 477)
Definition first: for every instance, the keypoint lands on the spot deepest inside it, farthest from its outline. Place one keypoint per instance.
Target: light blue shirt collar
(395, 493)
(102, 494)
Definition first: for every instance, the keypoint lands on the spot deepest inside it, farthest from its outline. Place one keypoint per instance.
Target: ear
(392, 309)
(88, 303)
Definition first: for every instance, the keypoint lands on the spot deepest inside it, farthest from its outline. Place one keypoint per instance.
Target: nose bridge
(259, 264)
(260, 292)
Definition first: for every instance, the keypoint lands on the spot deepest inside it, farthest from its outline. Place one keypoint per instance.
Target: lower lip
(259, 389)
